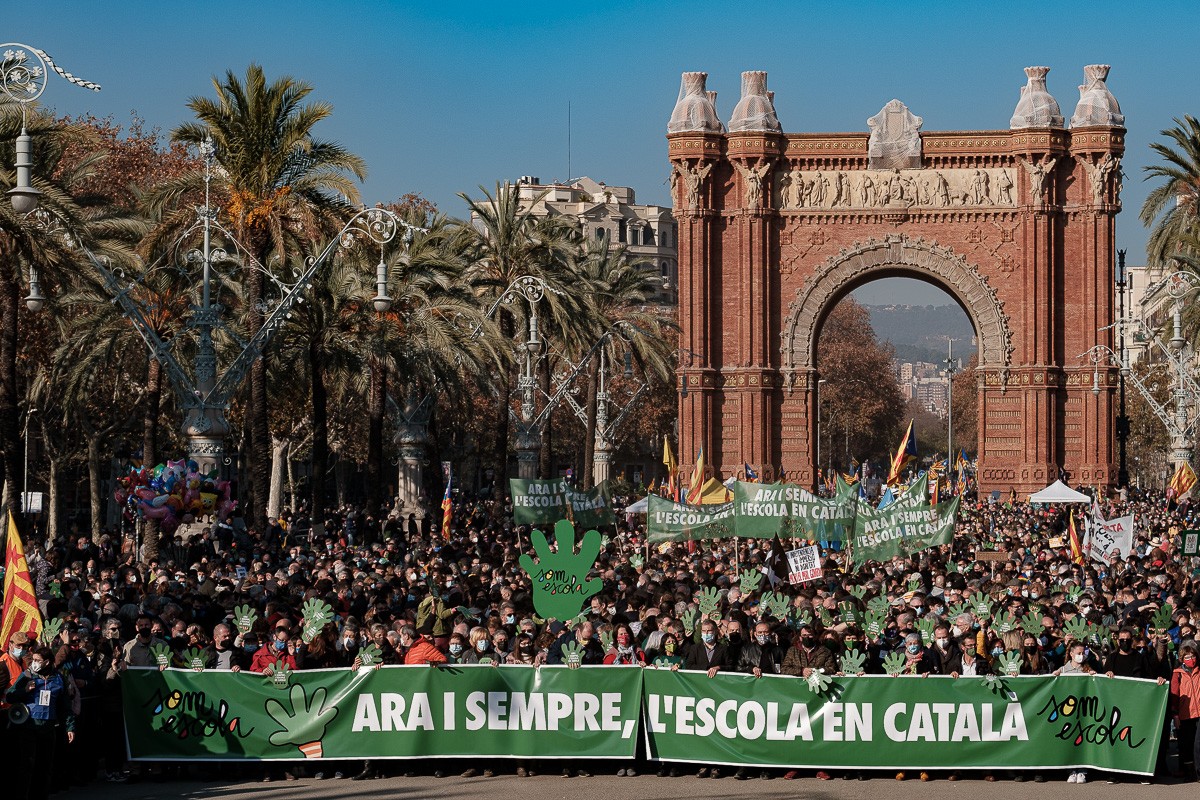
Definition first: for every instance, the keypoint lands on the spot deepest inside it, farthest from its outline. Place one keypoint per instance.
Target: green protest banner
(392, 712)
(902, 529)
(904, 723)
(544, 502)
(667, 521)
(766, 510)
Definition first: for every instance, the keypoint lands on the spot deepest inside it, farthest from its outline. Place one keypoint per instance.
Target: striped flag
(696, 490)
(20, 603)
(906, 452)
(1076, 545)
(1182, 482)
(447, 509)
(672, 466)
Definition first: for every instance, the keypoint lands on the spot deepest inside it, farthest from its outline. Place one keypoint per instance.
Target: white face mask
(1078, 657)
(943, 642)
(37, 666)
(956, 631)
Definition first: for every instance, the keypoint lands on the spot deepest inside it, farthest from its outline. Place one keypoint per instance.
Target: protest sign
(766, 510)
(544, 502)
(1108, 537)
(667, 521)
(392, 712)
(904, 723)
(902, 529)
(804, 564)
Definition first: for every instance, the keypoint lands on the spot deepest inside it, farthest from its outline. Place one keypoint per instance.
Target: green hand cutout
(689, 621)
(1009, 664)
(193, 658)
(572, 654)
(799, 618)
(853, 662)
(749, 580)
(826, 616)
(244, 618)
(279, 674)
(850, 613)
(317, 613)
(1074, 593)
(875, 623)
(774, 604)
(1161, 620)
(606, 640)
(894, 663)
(980, 606)
(926, 626)
(161, 655)
(878, 605)
(858, 591)
(818, 681)
(914, 584)
(1077, 628)
(560, 584)
(370, 655)
(710, 601)
(1031, 623)
(958, 609)
(1004, 622)
(50, 631)
(637, 560)
(304, 724)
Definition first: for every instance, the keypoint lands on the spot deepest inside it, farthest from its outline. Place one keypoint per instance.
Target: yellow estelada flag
(21, 611)
(672, 466)
(906, 452)
(696, 490)
(1182, 482)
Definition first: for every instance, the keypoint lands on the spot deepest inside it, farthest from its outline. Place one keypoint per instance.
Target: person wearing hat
(49, 696)
(14, 661)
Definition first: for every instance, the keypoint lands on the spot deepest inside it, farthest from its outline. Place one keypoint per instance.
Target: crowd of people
(423, 595)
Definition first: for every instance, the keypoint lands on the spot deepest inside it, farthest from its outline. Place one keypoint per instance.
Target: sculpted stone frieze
(894, 188)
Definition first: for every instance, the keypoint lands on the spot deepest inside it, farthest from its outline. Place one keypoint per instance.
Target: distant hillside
(919, 332)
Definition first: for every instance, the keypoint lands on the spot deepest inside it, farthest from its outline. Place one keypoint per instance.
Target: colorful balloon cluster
(174, 493)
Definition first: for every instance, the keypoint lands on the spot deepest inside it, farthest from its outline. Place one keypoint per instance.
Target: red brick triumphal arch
(1016, 224)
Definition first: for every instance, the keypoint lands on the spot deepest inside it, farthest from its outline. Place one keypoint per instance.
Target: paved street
(551, 787)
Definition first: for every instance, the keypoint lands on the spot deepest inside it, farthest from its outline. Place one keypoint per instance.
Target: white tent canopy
(1059, 492)
(640, 507)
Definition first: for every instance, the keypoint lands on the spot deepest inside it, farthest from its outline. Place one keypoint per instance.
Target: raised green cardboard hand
(637, 560)
(926, 626)
(859, 591)
(572, 654)
(850, 613)
(1161, 620)
(1077, 628)
(161, 654)
(818, 682)
(749, 580)
(875, 624)
(980, 606)
(825, 615)
(279, 674)
(370, 655)
(606, 640)
(304, 723)
(773, 604)
(1074, 593)
(853, 662)
(244, 618)
(799, 618)
(958, 609)
(317, 614)
(709, 601)
(689, 620)
(193, 658)
(1032, 624)
(560, 583)
(1009, 664)
(1004, 622)
(50, 631)
(878, 604)
(894, 663)
(914, 584)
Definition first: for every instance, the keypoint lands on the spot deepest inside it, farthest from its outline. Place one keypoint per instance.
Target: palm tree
(1173, 207)
(620, 292)
(510, 241)
(285, 188)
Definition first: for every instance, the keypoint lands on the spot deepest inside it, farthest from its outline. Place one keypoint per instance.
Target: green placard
(902, 529)
(905, 723)
(392, 712)
(667, 521)
(544, 502)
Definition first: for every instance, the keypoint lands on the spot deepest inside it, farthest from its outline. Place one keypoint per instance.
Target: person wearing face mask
(1077, 662)
(137, 650)
(49, 696)
(624, 651)
(807, 654)
(279, 651)
(457, 649)
(709, 656)
(582, 633)
(418, 649)
(667, 656)
(1127, 662)
(1183, 707)
(760, 656)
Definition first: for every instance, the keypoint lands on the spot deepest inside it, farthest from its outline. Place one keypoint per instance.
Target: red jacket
(1184, 700)
(268, 656)
(423, 652)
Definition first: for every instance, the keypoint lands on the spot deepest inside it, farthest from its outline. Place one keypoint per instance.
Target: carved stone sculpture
(1098, 175)
(755, 111)
(1039, 178)
(694, 111)
(895, 141)
(693, 181)
(1037, 108)
(1097, 106)
(753, 178)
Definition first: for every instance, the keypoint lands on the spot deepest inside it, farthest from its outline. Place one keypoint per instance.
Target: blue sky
(442, 98)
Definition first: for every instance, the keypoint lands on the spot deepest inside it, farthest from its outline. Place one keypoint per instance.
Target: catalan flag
(672, 466)
(906, 452)
(696, 489)
(751, 475)
(447, 509)
(960, 466)
(1182, 482)
(1076, 544)
(20, 603)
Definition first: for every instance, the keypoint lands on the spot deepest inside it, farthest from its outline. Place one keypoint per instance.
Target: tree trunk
(150, 441)
(589, 436)
(279, 457)
(320, 428)
(503, 426)
(546, 454)
(257, 421)
(12, 471)
(291, 479)
(50, 509)
(376, 403)
(93, 467)
(339, 479)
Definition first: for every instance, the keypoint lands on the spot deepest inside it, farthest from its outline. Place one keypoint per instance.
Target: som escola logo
(1086, 719)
